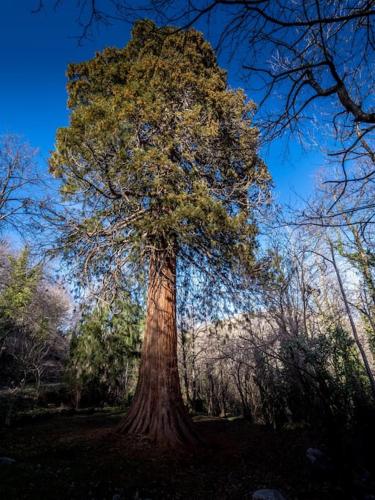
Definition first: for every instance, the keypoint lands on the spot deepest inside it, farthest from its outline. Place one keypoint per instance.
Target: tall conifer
(160, 161)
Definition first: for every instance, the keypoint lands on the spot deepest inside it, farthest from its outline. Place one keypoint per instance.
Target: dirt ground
(83, 457)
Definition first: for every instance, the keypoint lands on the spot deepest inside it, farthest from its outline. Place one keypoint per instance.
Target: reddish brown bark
(157, 411)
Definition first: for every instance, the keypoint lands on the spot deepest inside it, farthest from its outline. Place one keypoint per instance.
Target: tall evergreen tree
(160, 165)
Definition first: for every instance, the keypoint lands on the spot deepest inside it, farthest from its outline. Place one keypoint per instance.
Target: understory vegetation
(283, 353)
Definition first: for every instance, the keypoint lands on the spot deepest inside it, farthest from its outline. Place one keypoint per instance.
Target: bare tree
(19, 185)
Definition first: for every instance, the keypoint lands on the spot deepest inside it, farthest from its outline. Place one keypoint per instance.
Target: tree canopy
(159, 152)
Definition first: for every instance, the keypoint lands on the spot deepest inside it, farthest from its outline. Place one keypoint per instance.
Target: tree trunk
(157, 411)
(185, 368)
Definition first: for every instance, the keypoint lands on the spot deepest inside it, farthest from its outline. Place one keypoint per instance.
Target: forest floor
(82, 457)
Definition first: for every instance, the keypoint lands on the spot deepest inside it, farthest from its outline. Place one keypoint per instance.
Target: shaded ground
(82, 457)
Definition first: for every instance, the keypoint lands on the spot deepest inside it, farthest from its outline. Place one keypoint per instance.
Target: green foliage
(322, 377)
(357, 257)
(18, 293)
(159, 152)
(104, 352)
(369, 330)
(31, 316)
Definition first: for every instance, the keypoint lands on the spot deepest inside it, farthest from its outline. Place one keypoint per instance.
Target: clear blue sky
(35, 51)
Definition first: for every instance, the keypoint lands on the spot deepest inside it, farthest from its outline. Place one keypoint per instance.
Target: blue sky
(35, 50)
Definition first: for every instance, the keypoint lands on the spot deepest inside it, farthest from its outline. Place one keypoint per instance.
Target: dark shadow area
(81, 456)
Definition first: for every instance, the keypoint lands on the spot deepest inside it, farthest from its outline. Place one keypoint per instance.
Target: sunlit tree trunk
(157, 411)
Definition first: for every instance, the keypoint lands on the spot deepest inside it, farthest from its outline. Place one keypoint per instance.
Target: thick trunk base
(167, 427)
(157, 411)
